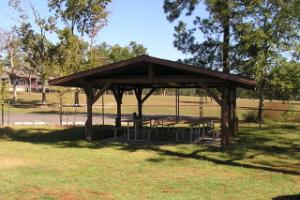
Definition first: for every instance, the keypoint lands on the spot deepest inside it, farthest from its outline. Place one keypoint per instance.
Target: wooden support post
(91, 97)
(138, 93)
(89, 122)
(177, 104)
(224, 118)
(103, 113)
(230, 109)
(234, 117)
(118, 94)
(60, 108)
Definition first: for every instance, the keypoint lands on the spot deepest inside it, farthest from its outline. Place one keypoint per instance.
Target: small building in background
(22, 81)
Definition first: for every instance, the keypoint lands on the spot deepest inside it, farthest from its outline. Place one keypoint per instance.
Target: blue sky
(142, 21)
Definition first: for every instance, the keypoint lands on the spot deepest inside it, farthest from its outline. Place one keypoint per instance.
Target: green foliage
(105, 54)
(248, 37)
(286, 80)
(34, 42)
(69, 53)
(250, 117)
(3, 92)
(37, 49)
(3, 86)
(85, 16)
(289, 115)
(202, 40)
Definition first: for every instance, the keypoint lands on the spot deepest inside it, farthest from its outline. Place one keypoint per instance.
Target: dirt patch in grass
(10, 162)
(55, 194)
(67, 195)
(102, 195)
(171, 190)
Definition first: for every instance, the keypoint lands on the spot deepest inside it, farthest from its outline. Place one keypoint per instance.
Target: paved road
(52, 119)
(71, 119)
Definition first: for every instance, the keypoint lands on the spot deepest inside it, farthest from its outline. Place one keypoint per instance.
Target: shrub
(250, 117)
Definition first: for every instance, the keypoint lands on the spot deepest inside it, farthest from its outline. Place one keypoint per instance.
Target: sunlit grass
(55, 163)
(156, 104)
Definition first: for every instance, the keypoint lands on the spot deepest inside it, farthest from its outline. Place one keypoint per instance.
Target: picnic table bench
(141, 129)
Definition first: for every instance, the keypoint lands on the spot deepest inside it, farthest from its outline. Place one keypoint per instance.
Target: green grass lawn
(55, 163)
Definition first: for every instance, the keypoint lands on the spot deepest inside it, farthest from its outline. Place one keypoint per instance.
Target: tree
(217, 30)
(83, 17)
(35, 43)
(99, 56)
(9, 43)
(269, 29)
(36, 47)
(105, 54)
(255, 34)
(217, 48)
(70, 52)
(3, 92)
(285, 79)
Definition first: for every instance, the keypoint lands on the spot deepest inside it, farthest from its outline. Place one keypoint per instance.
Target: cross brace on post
(91, 97)
(118, 94)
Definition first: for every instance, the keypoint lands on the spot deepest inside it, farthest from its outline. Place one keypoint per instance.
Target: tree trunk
(226, 38)
(76, 97)
(224, 119)
(234, 117)
(30, 85)
(13, 75)
(225, 90)
(260, 107)
(15, 96)
(44, 98)
(60, 107)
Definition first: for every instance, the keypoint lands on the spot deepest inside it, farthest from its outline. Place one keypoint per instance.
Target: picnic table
(196, 127)
(134, 124)
(199, 128)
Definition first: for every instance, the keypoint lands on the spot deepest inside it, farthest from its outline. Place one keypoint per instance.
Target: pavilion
(145, 72)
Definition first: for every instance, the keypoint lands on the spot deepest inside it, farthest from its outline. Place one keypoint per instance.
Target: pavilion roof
(150, 72)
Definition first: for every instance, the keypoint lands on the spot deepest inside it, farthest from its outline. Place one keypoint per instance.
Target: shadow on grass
(249, 139)
(66, 137)
(287, 197)
(23, 103)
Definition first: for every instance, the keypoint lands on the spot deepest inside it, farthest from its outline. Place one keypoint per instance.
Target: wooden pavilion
(145, 72)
